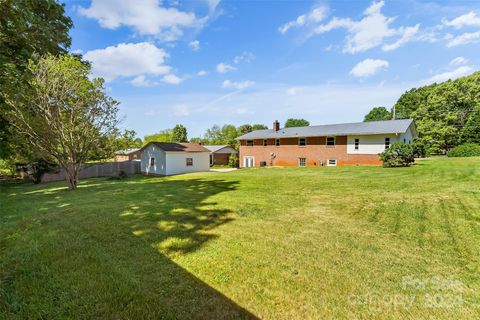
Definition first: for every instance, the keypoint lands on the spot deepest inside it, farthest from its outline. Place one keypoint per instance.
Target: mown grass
(273, 243)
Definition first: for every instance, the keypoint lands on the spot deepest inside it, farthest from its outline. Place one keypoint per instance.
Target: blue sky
(207, 62)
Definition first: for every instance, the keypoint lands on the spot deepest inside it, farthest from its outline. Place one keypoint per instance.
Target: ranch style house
(324, 145)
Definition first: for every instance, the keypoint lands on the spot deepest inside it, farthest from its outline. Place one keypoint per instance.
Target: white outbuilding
(168, 158)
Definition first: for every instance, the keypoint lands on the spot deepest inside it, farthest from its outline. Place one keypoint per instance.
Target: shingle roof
(178, 146)
(215, 148)
(357, 128)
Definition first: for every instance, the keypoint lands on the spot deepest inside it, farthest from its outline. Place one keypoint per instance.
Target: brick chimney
(276, 125)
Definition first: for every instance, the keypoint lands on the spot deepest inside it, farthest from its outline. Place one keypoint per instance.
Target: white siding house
(168, 158)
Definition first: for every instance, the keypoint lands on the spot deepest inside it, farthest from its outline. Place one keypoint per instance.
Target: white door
(248, 162)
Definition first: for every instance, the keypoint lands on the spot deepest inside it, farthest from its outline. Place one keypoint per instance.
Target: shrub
(37, 169)
(465, 150)
(233, 161)
(398, 155)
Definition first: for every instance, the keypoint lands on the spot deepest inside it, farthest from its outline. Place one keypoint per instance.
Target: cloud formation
(240, 85)
(224, 68)
(369, 67)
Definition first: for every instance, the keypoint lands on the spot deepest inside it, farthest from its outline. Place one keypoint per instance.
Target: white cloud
(368, 67)
(202, 73)
(465, 38)
(172, 79)
(246, 57)
(195, 45)
(141, 81)
(468, 19)
(237, 85)
(224, 68)
(293, 91)
(458, 61)
(147, 17)
(77, 51)
(444, 76)
(181, 110)
(407, 34)
(369, 32)
(128, 60)
(317, 14)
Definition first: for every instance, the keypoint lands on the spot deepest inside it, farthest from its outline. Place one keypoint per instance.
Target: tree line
(446, 114)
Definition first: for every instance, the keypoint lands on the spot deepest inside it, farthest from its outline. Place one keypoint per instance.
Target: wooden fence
(103, 169)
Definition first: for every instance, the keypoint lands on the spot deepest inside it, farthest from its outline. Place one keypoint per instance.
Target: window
(189, 162)
(387, 143)
(357, 143)
(330, 141)
(277, 142)
(152, 162)
(302, 142)
(265, 142)
(249, 143)
(135, 156)
(404, 140)
(332, 162)
(302, 162)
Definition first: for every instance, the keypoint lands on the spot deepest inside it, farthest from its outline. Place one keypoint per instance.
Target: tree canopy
(179, 133)
(446, 114)
(28, 29)
(377, 114)
(296, 123)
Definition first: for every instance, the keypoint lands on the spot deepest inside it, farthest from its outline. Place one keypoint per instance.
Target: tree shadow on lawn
(109, 242)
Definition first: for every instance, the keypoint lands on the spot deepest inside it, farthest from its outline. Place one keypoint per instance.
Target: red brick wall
(220, 158)
(128, 157)
(316, 151)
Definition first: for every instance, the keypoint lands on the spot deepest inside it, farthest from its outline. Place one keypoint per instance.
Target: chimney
(276, 125)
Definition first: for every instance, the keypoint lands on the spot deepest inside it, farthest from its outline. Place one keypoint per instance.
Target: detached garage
(167, 158)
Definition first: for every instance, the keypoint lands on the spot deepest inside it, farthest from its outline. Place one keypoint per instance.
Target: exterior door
(248, 162)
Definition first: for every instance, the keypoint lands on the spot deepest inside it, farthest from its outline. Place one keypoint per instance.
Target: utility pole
(393, 112)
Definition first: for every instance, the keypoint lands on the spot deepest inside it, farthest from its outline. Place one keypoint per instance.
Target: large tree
(161, 136)
(62, 113)
(377, 114)
(296, 123)
(179, 133)
(28, 29)
(446, 114)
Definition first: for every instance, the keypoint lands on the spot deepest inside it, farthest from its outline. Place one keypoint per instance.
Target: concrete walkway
(223, 169)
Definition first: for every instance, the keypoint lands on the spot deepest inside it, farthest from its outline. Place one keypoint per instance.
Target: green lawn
(273, 243)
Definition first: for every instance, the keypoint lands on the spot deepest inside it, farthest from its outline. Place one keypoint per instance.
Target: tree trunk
(71, 174)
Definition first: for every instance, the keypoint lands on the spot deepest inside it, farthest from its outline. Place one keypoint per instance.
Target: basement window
(277, 142)
(332, 162)
(152, 162)
(302, 142)
(387, 143)
(189, 162)
(302, 162)
(249, 143)
(265, 142)
(357, 144)
(330, 141)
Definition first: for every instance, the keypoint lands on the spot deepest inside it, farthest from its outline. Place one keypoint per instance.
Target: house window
(357, 143)
(332, 162)
(277, 142)
(404, 140)
(302, 162)
(302, 142)
(387, 143)
(152, 162)
(134, 156)
(249, 143)
(330, 141)
(189, 162)
(265, 142)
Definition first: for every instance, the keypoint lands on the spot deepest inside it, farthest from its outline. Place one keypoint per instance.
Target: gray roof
(178, 146)
(127, 151)
(357, 128)
(215, 148)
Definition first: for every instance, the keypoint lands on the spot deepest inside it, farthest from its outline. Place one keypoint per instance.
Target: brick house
(324, 145)
(127, 155)
(220, 154)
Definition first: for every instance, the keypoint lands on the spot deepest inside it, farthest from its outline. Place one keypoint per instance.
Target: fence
(104, 169)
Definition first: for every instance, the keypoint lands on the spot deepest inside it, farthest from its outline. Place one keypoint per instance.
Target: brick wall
(316, 151)
(220, 158)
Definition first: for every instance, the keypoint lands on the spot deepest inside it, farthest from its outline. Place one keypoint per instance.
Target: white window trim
(300, 162)
(355, 144)
(298, 142)
(331, 165)
(245, 161)
(334, 141)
